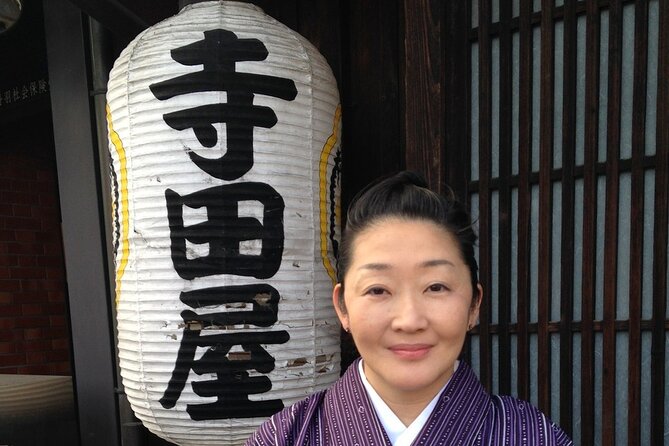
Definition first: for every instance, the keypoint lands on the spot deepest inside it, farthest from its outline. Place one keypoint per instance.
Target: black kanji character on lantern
(232, 385)
(218, 53)
(224, 230)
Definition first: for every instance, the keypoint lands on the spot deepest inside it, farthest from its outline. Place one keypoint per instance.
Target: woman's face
(408, 305)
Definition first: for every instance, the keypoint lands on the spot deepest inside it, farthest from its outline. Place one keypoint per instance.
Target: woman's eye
(437, 287)
(376, 291)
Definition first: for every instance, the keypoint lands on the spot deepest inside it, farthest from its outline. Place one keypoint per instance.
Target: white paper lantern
(224, 132)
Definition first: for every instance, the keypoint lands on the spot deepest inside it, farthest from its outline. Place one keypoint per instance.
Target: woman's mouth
(411, 351)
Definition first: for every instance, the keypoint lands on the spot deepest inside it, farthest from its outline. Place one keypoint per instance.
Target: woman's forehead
(386, 236)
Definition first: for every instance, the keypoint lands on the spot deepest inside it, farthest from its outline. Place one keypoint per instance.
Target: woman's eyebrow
(375, 266)
(437, 262)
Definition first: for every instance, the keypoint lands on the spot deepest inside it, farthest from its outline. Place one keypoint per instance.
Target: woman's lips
(411, 351)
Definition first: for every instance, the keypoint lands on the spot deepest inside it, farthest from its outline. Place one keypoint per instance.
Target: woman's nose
(408, 314)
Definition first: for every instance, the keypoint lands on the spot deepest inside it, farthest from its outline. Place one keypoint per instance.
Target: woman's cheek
(368, 315)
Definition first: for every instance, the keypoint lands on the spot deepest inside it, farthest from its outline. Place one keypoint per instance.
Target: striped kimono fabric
(464, 415)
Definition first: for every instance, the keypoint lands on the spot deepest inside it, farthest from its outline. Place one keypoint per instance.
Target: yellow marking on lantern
(123, 203)
(323, 186)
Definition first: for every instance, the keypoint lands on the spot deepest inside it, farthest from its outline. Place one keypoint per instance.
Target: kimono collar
(457, 418)
(461, 411)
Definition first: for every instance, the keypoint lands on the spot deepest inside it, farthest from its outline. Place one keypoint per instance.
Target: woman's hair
(406, 195)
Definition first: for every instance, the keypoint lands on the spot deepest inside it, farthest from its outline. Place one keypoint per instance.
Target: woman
(408, 293)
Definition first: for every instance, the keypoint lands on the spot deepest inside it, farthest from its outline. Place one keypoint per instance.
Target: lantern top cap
(190, 4)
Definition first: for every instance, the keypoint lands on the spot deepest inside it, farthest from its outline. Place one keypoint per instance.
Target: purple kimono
(464, 415)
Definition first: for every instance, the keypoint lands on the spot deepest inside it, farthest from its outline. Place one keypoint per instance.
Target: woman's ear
(340, 306)
(476, 306)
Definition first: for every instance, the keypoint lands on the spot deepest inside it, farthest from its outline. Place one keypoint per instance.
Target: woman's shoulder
(522, 421)
(284, 427)
(303, 422)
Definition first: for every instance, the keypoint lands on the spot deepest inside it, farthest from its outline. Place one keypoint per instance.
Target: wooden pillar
(422, 92)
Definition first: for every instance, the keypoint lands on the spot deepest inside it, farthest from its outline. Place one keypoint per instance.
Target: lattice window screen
(568, 181)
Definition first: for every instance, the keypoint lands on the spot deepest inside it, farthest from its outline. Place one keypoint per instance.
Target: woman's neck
(407, 405)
